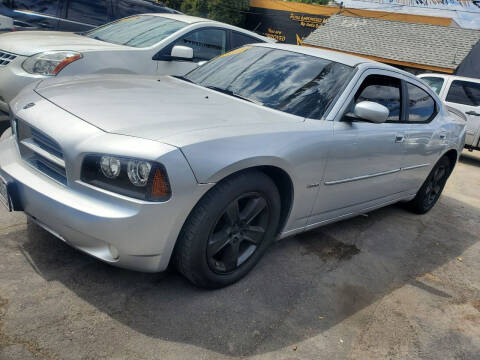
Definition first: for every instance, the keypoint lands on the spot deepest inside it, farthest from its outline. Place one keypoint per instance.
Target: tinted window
(126, 8)
(239, 39)
(384, 90)
(464, 92)
(421, 106)
(88, 11)
(48, 7)
(137, 31)
(291, 82)
(435, 83)
(7, 3)
(206, 44)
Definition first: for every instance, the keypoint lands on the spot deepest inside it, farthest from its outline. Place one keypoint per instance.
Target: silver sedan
(207, 170)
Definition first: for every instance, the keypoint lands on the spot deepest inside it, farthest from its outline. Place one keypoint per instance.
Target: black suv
(74, 15)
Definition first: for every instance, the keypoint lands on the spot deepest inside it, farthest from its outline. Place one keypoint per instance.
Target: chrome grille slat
(41, 151)
(47, 144)
(6, 58)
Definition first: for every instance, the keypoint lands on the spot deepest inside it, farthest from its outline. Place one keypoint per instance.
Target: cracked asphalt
(390, 285)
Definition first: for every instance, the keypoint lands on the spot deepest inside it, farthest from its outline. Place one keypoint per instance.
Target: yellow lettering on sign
(299, 40)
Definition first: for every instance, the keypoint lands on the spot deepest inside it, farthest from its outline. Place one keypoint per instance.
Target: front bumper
(98, 222)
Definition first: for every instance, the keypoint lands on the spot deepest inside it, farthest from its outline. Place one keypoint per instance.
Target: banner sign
(283, 26)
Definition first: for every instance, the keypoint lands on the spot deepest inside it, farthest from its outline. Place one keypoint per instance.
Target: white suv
(463, 94)
(150, 44)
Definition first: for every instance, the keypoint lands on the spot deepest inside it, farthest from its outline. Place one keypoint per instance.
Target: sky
(466, 17)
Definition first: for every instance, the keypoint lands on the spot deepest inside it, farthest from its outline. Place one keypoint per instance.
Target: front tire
(229, 230)
(432, 188)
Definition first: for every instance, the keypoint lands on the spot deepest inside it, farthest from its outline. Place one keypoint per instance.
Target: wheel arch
(275, 170)
(452, 155)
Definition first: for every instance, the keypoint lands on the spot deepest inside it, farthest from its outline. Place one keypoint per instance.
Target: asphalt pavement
(387, 285)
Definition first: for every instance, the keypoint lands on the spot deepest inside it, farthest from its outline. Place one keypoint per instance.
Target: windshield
(287, 81)
(137, 31)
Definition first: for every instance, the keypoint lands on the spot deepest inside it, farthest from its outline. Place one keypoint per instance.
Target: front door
(365, 158)
(465, 96)
(206, 44)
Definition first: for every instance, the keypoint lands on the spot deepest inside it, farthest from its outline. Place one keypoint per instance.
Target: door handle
(400, 139)
(443, 136)
(474, 113)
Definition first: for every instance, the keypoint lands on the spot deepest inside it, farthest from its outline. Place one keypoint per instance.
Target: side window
(384, 90)
(47, 7)
(421, 106)
(206, 44)
(87, 11)
(7, 3)
(239, 39)
(435, 83)
(124, 8)
(464, 92)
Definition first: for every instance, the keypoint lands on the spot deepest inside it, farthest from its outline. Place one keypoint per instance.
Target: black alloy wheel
(238, 233)
(432, 188)
(229, 230)
(435, 184)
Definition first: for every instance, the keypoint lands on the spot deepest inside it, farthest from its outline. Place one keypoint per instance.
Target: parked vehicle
(463, 94)
(143, 44)
(74, 15)
(264, 142)
(6, 24)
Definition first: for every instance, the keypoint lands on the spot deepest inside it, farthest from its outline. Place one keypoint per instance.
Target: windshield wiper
(231, 93)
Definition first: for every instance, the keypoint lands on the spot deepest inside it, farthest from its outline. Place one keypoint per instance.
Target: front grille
(6, 58)
(40, 151)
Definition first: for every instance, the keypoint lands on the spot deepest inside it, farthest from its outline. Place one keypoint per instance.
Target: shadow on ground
(469, 158)
(304, 285)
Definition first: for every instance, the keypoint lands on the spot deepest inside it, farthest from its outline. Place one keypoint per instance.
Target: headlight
(50, 62)
(136, 178)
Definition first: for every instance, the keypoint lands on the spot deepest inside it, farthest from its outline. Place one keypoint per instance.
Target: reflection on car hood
(28, 43)
(153, 108)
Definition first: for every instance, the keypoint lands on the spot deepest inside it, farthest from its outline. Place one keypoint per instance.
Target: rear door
(425, 140)
(465, 96)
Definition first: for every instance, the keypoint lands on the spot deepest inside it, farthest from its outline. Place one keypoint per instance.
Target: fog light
(113, 252)
(110, 166)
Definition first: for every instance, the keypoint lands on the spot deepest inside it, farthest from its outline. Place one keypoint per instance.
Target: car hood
(155, 108)
(28, 43)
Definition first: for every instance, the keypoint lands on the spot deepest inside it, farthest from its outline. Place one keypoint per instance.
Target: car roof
(194, 20)
(181, 17)
(335, 56)
(448, 76)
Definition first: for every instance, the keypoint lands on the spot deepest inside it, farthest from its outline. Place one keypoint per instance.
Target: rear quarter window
(421, 106)
(239, 39)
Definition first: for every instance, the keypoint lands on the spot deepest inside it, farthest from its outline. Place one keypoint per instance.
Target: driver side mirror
(371, 111)
(182, 53)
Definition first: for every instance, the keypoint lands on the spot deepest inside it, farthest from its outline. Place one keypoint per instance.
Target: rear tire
(432, 188)
(229, 230)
